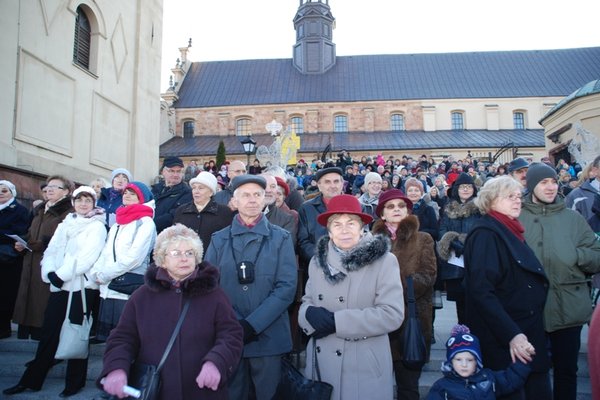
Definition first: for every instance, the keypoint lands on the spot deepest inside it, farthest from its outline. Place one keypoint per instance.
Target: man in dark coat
(170, 194)
(276, 215)
(236, 168)
(331, 183)
(258, 273)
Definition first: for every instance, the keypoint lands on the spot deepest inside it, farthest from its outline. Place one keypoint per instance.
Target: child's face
(464, 364)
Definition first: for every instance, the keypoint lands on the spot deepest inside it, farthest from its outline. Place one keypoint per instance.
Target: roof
(207, 145)
(504, 74)
(588, 89)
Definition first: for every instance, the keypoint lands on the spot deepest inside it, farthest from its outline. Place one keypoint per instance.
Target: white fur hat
(84, 189)
(207, 179)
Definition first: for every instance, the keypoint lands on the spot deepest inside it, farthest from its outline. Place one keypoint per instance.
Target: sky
(263, 29)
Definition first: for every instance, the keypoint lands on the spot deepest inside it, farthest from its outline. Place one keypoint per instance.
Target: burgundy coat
(210, 332)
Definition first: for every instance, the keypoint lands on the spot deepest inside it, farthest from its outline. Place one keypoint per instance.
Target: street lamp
(249, 148)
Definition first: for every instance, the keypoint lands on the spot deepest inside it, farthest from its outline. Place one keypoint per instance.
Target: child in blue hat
(464, 374)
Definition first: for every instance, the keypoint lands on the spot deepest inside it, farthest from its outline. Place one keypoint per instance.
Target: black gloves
(458, 247)
(55, 280)
(249, 334)
(322, 320)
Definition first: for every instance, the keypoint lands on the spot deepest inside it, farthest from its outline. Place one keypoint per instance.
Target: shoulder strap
(174, 335)
(410, 292)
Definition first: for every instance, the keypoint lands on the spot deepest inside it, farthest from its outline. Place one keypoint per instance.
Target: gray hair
(494, 188)
(173, 235)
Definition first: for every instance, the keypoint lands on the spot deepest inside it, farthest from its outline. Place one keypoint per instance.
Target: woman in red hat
(352, 301)
(415, 251)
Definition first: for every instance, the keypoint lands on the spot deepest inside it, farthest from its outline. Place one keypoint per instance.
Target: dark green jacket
(567, 248)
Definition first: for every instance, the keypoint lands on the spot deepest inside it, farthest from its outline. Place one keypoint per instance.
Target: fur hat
(207, 179)
(538, 172)
(343, 204)
(372, 177)
(141, 190)
(10, 187)
(461, 340)
(118, 171)
(84, 189)
(391, 194)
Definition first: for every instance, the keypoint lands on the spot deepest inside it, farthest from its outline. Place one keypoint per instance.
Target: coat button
(320, 297)
(529, 286)
(341, 299)
(338, 353)
(318, 349)
(177, 290)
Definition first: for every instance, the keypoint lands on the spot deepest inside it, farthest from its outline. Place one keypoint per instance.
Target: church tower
(314, 51)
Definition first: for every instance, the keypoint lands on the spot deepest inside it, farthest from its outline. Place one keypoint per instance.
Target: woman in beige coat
(415, 253)
(353, 299)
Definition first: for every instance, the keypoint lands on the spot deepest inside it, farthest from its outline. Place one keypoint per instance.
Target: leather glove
(458, 247)
(322, 320)
(55, 280)
(249, 334)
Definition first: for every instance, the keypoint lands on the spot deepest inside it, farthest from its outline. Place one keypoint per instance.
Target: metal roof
(503, 74)
(588, 89)
(206, 145)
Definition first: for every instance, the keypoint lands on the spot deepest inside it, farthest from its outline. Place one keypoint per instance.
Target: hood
(455, 209)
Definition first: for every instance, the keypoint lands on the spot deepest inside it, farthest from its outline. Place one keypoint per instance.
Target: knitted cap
(207, 179)
(10, 187)
(120, 171)
(461, 340)
(538, 172)
(84, 189)
(141, 190)
(372, 177)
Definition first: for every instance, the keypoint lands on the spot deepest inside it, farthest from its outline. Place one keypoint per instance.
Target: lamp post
(249, 148)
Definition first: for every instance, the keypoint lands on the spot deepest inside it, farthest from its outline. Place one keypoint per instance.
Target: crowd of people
(261, 261)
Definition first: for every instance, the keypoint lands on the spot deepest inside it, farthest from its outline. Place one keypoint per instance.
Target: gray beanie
(372, 177)
(123, 171)
(538, 172)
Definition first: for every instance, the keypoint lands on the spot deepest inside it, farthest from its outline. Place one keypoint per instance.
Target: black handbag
(293, 385)
(414, 350)
(126, 283)
(146, 377)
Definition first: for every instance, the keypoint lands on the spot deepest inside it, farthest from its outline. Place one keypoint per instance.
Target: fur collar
(407, 229)
(203, 280)
(369, 249)
(456, 210)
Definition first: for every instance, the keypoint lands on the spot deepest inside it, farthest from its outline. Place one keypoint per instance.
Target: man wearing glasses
(170, 194)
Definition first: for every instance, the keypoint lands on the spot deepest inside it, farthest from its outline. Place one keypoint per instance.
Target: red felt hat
(281, 182)
(391, 195)
(343, 204)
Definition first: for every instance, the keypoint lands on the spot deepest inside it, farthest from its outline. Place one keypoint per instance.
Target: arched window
(188, 129)
(340, 123)
(519, 120)
(397, 122)
(297, 125)
(83, 40)
(458, 121)
(243, 127)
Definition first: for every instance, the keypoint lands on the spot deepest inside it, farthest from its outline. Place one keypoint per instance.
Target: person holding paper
(506, 288)
(14, 220)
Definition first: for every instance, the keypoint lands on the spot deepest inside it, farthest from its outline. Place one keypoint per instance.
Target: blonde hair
(494, 188)
(173, 235)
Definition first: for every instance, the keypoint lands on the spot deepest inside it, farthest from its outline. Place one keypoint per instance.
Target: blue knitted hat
(461, 340)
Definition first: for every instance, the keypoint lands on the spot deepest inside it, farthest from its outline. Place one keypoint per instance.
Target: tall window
(458, 121)
(519, 120)
(83, 40)
(397, 122)
(243, 127)
(297, 125)
(188, 129)
(340, 123)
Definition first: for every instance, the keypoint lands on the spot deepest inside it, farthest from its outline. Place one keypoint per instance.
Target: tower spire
(314, 51)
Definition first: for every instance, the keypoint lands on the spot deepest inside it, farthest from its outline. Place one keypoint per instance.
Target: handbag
(293, 385)
(126, 283)
(414, 351)
(146, 377)
(74, 338)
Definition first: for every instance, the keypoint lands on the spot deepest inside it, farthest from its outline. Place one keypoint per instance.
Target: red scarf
(133, 212)
(512, 224)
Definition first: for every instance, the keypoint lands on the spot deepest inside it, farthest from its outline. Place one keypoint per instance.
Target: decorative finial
(171, 81)
(177, 62)
(190, 42)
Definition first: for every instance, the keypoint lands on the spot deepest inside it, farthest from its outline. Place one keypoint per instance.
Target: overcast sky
(262, 29)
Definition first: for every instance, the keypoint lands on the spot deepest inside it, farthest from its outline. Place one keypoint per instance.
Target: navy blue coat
(309, 230)
(167, 201)
(506, 289)
(485, 384)
(263, 303)
(110, 200)
(427, 220)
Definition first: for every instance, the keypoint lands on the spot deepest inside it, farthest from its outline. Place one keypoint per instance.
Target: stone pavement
(15, 353)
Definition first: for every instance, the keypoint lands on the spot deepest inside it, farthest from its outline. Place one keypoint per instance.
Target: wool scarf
(512, 224)
(133, 212)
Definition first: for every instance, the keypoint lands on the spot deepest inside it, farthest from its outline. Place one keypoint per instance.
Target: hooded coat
(366, 298)
(210, 332)
(33, 292)
(416, 256)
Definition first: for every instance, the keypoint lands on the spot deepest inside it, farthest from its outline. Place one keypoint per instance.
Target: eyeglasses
(85, 200)
(394, 206)
(54, 187)
(182, 254)
(514, 197)
(465, 187)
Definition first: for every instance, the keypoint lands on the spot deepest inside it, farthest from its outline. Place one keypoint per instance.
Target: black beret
(170, 162)
(328, 170)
